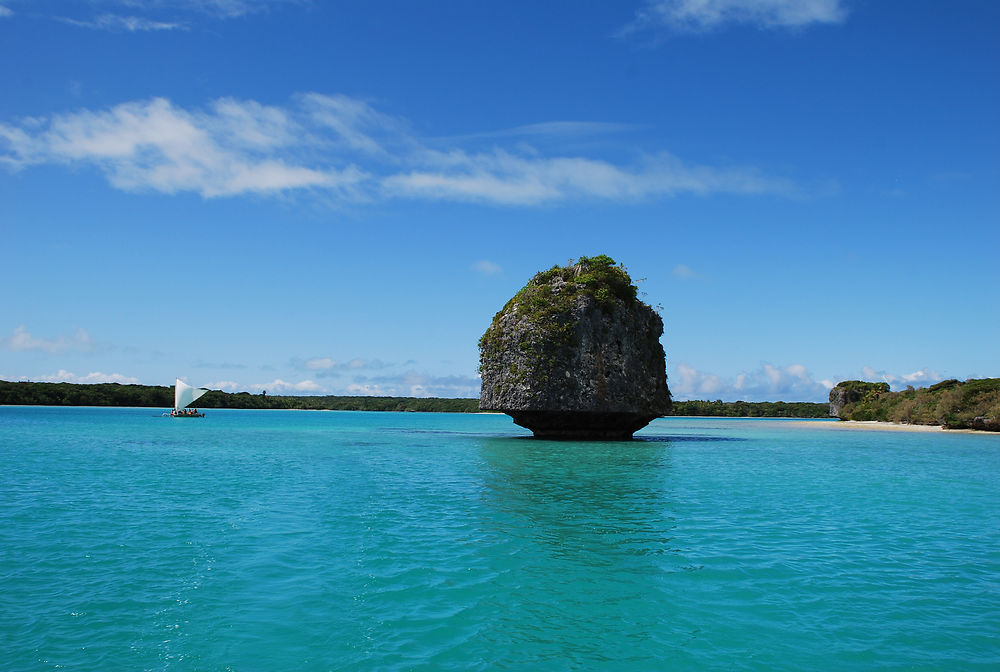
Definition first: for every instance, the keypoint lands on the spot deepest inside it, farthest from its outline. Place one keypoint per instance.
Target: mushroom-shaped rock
(576, 355)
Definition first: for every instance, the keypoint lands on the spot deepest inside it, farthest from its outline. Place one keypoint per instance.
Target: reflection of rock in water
(586, 532)
(575, 355)
(591, 502)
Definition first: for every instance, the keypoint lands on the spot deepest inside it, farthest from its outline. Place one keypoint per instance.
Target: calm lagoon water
(277, 541)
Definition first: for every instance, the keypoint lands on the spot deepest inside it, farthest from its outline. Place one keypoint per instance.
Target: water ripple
(272, 541)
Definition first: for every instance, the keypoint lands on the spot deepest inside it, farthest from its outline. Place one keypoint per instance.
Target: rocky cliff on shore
(853, 391)
(953, 404)
(574, 354)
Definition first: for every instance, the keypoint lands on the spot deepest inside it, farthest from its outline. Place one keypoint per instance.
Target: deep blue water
(272, 540)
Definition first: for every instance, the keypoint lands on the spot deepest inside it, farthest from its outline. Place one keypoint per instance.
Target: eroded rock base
(580, 425)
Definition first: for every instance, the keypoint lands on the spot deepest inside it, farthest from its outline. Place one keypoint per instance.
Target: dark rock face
(985, 424)
(574, 355)
(840, 397)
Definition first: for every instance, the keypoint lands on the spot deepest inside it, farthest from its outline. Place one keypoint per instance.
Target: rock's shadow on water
(686, 438)
(679, 438)
(589, 502)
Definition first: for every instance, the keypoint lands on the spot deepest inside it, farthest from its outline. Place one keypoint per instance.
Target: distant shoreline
(24, 393)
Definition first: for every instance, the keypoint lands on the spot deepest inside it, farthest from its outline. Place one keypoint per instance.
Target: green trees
(99, 394)
(113, 394)
(950, 403)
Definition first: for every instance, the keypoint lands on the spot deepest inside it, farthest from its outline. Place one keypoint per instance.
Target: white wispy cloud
(63, 376)
(231, 148)
(414, 384)
(220, 8)
(320, 364)
(219, 365)
(920, 377)
(217, 9)
(328, 367)
(119, 23)
(486, 267)
(766, 383)
(224, 385)
(547, 130)
(569, 128)
(702, 15)
(22, 340)
(353, 125)
(4, 11)
(511, 179)
(153, 15)
(278, 386)
(684, 272)
(689, 383)
(344, 148)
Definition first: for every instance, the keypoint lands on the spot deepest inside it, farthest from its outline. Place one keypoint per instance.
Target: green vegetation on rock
(863, 387)
(599, 277)
(548, 299)
(953, 404)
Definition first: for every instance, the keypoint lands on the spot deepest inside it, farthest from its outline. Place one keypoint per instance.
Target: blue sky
(336, 197)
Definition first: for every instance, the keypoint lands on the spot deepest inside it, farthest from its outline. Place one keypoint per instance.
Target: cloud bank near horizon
(776, 383)
(767, 383)
(345, 149)
(406, 383)
(64, 376)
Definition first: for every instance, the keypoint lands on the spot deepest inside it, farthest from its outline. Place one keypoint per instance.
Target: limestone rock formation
(852, 391)
(576, 355)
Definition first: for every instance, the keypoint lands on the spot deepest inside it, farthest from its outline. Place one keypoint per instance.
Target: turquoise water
(272, 540)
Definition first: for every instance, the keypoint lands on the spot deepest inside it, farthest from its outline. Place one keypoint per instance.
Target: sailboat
(184, 396)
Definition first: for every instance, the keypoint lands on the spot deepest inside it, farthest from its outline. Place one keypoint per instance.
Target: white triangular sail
(185, 395)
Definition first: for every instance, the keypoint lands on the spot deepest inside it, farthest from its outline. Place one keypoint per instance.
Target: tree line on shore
(153, 396)
(751, 409)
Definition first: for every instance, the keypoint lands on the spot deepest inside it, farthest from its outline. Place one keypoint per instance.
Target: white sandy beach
(890, 427)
